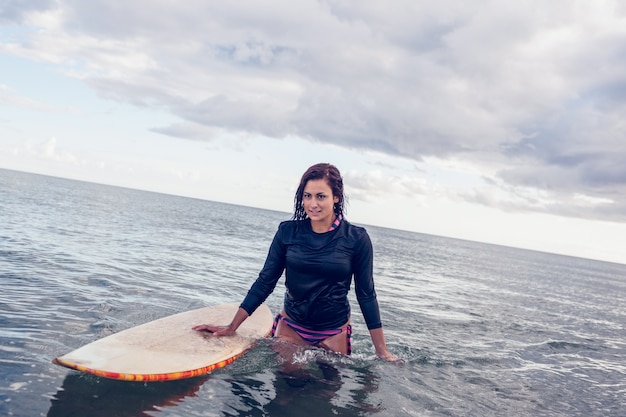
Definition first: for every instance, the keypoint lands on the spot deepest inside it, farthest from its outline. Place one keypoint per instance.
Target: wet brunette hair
(331, 174)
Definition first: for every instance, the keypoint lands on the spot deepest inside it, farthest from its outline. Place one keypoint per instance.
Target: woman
(320, 252)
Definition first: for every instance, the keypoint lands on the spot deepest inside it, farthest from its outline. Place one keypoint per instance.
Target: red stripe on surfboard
(148, 377)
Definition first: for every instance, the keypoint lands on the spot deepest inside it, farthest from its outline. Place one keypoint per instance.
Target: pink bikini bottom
(313, 337)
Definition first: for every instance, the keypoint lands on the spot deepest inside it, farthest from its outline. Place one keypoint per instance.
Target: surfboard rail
(168, 349)
(148, 377)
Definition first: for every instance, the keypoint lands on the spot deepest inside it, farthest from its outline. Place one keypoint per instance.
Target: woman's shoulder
(353, 226)
(291, 227)
(354, 231)
(290, 224)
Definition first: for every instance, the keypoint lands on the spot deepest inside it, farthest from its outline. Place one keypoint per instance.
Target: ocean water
(483, 330)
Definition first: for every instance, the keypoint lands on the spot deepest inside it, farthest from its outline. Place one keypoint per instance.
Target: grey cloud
(14, 11)
(188, 131)
(559, 203)
(535, 88)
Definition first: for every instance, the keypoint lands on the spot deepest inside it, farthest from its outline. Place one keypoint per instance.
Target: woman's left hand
(389, 357)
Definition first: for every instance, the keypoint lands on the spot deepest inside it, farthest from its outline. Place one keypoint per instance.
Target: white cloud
(10, 97)
(516, 106)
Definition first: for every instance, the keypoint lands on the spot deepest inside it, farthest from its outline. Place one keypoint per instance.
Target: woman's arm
(378, 339)
(260, 290)
(240, 316)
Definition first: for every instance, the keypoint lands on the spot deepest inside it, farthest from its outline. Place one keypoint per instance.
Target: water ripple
(482, 330)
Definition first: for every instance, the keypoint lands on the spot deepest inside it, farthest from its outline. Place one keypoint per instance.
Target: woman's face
(318, 202)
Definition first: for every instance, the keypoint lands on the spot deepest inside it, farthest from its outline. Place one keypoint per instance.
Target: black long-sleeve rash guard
(319, 269)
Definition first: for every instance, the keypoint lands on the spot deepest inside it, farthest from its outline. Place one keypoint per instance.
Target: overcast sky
(496, 121)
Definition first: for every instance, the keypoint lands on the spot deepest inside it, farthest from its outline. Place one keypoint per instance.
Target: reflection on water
(322, 386)
(86, 395)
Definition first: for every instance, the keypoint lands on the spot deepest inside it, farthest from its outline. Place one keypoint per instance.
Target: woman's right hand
(229, 330)
(217, 331)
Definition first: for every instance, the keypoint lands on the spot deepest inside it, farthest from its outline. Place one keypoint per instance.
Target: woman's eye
(321, 197)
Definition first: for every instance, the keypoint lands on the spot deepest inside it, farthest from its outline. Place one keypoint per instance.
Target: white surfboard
(168, 348)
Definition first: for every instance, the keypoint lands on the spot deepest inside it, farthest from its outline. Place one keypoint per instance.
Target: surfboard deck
(167, 348)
